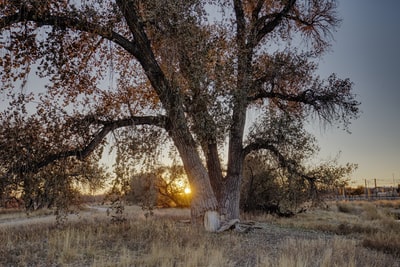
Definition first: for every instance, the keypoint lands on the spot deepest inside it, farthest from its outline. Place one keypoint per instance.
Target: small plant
(61, 217)
(347, 207)
(116, 211)
(371, 212)
(148, 210)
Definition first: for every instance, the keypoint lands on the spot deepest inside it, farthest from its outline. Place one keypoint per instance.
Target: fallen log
(228, 225)
(236, 225)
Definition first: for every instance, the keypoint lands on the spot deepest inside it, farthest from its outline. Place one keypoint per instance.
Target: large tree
(189, 70)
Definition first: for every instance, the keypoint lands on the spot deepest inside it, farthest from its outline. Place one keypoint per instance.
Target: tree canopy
(147, 72)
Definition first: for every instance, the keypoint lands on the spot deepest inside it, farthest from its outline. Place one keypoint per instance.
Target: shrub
(385, 242)
(347, 207)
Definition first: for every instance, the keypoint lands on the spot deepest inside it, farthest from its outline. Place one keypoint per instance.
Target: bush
(347, 208)
(385, 242)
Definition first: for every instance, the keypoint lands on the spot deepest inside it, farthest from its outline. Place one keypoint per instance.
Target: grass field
(345, 234)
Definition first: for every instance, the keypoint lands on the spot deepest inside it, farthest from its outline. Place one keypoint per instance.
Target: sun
(187, 190)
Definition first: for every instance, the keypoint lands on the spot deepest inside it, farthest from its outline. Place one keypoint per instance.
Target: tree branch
(240, 18)
(70, 21)
(81, 154)
(257, 145)
(330, 101)
(317, 22)
(257, 9)
(290, 165)
(168, 97)
(268, 23)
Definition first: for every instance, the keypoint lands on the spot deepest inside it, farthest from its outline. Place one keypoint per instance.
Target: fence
(363, 197)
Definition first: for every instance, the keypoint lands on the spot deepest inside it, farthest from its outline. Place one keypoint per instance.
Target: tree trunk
(231, 188)
(204, 199)
(211, 221)
(230, 199)
(214, 169)
(250, 192)
(203, 196)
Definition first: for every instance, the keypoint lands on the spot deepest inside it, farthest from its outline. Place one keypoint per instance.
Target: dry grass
(362, 237)
(372, 223)
(11, 214)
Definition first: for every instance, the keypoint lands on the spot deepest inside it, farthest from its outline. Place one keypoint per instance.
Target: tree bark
(203, 195)
(230, 198)
(250, 192)
(211, 221)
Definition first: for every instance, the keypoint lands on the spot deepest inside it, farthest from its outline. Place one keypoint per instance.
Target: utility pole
(366, 189)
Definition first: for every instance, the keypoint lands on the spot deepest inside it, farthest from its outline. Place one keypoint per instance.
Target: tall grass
(316, 238)
(372, 223)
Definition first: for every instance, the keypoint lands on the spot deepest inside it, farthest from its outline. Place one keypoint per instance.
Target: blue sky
(366, 50)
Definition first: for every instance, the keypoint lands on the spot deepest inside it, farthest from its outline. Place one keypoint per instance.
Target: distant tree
(142, 190)
(162, 187)
(157, 70)
(281, 177)
(356, 191)
(171, 184)
(269, 187)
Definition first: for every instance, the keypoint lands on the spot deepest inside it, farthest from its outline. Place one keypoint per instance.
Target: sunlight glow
(187, 190)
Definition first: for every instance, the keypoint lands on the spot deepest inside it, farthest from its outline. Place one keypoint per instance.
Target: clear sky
(366, 50)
